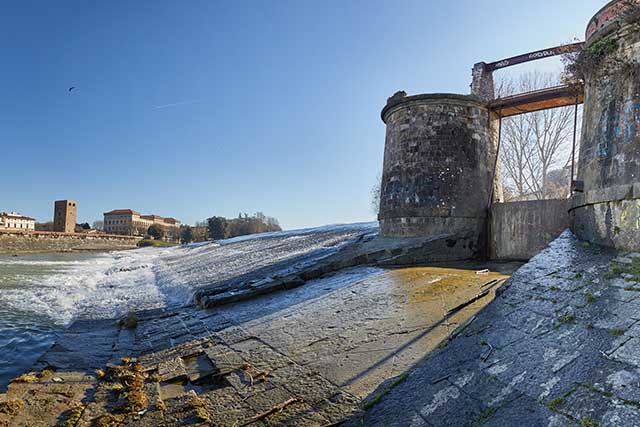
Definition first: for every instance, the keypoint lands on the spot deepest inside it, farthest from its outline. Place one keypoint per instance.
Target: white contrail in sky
(176, 104)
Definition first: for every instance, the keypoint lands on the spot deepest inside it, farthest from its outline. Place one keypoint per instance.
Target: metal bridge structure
(537, 100)
(529, 102)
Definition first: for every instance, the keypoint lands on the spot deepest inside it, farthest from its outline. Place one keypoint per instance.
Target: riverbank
(35, 242)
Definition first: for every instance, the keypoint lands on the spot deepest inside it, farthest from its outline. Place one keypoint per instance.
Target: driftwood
(279, 407)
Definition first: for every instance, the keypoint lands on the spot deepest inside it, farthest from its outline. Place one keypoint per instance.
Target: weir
(441, 172)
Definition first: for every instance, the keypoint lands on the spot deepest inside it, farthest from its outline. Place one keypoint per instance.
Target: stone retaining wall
(607, 212)
(25, 242)
(520, 230)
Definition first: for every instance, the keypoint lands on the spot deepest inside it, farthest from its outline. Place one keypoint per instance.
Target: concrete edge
(610, 194)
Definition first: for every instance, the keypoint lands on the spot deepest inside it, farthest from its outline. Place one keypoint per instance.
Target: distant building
(15, 221)
(131, 223)
(64, 216)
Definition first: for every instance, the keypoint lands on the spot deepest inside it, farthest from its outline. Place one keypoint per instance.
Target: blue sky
(200, 108)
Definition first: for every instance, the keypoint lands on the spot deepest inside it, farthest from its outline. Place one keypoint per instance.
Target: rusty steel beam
(533, 56)
(544, 99)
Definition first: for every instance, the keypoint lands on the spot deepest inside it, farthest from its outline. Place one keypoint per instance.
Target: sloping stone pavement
(318, 350)
(560, 346)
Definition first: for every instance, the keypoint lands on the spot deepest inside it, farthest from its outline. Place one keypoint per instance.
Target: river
(28, 284)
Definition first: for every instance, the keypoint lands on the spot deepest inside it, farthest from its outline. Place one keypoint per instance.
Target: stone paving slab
(558, 347)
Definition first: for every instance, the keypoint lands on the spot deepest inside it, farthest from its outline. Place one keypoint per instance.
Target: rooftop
(15, 215)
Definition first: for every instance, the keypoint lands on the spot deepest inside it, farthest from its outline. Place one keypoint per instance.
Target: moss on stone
(555, 404)
(567, 318)
(588, 422)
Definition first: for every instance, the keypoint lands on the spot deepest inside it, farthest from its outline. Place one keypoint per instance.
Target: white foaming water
(109, 285)
(105, 285)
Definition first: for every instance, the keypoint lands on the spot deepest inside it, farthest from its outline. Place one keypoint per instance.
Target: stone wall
(519, 230)
(609, 163)
(17, 242)
(439, 156)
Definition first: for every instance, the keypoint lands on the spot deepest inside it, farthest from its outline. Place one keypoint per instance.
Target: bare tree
(375, 195)
(534, 144)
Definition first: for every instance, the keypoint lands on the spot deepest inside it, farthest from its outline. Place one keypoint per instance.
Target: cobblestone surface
(559, 347)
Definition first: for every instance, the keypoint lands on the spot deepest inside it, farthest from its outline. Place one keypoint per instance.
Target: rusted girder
(533, 56)
(544, 99)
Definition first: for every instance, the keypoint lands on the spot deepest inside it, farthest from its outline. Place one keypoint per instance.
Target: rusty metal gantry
(538, 100)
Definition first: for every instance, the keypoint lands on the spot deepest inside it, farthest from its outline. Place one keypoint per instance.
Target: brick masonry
(438, 166)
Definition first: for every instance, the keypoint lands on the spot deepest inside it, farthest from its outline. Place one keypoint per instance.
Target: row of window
(20, 225)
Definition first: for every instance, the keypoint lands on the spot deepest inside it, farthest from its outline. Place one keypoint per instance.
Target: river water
(28, 284)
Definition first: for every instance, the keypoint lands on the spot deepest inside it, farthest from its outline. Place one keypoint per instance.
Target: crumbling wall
(440, 153)
(520, 230)
(609, 163)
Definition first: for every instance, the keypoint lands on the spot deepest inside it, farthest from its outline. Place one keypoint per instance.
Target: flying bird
(71, 88)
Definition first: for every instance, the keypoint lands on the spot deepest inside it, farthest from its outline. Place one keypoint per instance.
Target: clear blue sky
(200, 108)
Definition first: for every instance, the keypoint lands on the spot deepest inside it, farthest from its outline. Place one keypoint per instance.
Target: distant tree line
(223, 228)
(218, 228)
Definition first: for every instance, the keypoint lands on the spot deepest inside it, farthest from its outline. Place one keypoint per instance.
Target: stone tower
(439, 159)
(608, 211)
(64, 216)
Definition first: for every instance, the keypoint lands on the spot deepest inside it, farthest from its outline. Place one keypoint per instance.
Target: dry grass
(11, 407)
(74, 416)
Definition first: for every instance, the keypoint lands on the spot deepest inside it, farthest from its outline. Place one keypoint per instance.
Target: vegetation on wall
(579, 65)
(601, 57)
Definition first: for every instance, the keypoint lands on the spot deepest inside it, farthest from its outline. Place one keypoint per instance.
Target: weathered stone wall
(438, 167)
(482, 84)
(15, 243)
(609, 163)
(520, 230)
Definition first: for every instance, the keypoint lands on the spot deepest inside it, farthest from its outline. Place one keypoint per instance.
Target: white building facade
(15, 221)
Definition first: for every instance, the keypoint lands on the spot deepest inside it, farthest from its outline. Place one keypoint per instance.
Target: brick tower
(64, 216)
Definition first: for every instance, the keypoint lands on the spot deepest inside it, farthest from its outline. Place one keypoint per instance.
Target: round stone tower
(439, 160)
(608, 211)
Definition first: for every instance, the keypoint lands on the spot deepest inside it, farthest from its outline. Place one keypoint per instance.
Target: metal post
(487, 227)
(495, 164)
(573, 148)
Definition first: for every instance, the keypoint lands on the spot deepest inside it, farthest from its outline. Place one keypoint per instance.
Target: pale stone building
(131, 223)
(15, 221)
